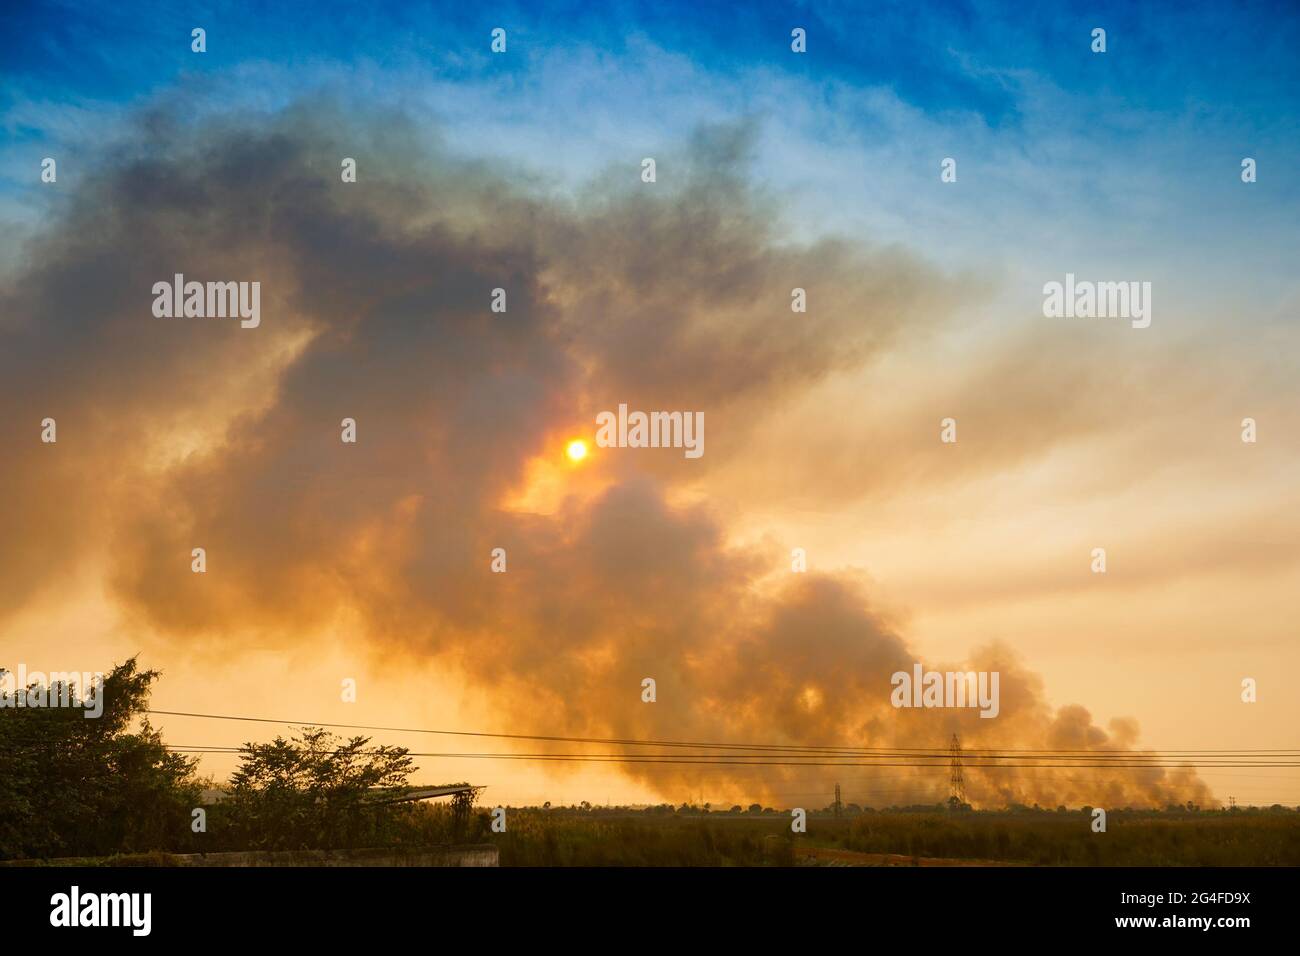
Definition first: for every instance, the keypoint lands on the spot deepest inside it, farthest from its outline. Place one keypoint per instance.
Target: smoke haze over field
(186, 432)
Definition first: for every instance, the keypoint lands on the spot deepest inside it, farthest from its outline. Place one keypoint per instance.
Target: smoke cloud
(180, 433)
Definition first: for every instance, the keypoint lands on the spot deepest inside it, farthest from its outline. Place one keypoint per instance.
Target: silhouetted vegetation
(536, 837)
(77, 785)
(310, 792)
(660, 836)
(1173, 837)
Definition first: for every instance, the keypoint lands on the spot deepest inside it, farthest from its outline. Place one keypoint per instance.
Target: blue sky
(1164, 57)
(1105, 157)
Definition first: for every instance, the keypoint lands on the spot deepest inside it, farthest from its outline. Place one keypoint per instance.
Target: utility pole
(839, 806)
(956, 783)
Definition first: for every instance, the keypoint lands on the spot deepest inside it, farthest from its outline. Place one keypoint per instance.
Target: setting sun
(577, 450)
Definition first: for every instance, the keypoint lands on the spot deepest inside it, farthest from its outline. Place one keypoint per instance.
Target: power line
(914, 752)
(732, 760)
(1222, 767)
(795, 756)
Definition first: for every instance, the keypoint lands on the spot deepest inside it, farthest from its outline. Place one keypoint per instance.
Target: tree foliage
(316, 790)
(76, 785)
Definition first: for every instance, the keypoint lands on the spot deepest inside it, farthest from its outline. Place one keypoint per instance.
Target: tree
(313, 791)
(76, 785)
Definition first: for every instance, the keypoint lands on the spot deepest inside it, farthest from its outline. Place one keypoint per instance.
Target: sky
(775, 170)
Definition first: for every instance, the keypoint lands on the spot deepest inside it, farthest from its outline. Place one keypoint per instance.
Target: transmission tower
(838, 805)
(956, 784)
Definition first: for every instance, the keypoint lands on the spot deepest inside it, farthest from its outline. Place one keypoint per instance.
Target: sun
(577, 450)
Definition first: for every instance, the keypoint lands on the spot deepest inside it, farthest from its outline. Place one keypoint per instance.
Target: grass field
(914, 837)
(563, 838)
